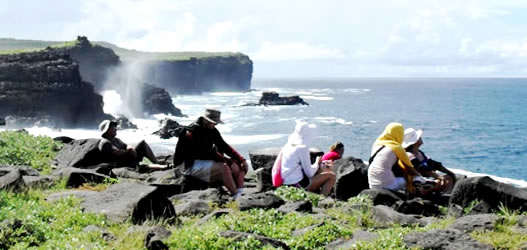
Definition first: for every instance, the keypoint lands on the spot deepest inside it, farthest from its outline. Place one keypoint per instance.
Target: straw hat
(105, 125)
(411, 136)
(213, 116)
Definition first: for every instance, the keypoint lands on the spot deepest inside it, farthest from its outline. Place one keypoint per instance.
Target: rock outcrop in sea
(46, 85)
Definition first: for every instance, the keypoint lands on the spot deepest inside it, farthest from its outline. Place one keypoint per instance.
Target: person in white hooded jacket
(296, 162)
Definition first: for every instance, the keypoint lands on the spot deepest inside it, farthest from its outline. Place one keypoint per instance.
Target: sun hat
(411, 136)
(213, 116)
(303, 134)
(105, 125)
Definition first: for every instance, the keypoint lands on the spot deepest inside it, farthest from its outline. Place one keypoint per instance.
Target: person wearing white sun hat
(424, 165)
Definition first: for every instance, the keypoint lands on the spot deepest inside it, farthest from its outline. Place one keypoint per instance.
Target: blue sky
(397, 38)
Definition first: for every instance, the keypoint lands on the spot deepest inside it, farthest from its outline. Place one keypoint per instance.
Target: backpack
(276, 172)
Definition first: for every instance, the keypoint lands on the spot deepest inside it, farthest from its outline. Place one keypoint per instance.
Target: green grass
(13, 46)
(21, 148)
(28, 221)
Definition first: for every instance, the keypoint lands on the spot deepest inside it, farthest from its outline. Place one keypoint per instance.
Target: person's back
(294, 163)
(380, 174)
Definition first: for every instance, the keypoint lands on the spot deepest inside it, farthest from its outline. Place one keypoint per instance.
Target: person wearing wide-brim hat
(201, 149)
(116, 151)
(425, 165)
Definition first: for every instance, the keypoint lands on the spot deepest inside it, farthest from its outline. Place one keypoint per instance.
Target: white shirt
(294, 159)
(380, 174)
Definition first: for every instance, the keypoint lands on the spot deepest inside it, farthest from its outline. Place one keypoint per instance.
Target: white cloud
(291, 51)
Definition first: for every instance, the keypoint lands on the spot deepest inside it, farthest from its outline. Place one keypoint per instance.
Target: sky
(307, 39)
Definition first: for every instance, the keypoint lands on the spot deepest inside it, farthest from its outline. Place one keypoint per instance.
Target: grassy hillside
(10, 46)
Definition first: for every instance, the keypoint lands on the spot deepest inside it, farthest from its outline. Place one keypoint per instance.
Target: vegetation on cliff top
(28, 221)
(12, 46)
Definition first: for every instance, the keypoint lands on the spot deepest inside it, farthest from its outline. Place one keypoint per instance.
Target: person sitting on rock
(202, 150)
(387, 153)
(296, 162)
(116, 151)
(335, 152)
(424, 165)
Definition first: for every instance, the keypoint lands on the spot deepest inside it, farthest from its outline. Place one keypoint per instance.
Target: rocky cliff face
(195, 75)
(95, 61)
(47, 84)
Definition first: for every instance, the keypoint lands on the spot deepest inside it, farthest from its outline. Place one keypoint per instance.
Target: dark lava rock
(63, 139)
(107, 236)
(443, 239)
(192, 208)
(11, 179)
(38, 181)
(155, 236)
(157, 100)
(79, 154)
(124, 201)
(470, 223)
(213, 215)
(493, 193)
(386, 216)
(169, 129)
(124, 123)
(47, 85)
(383, 196)
(260, 200)
(273, 98)
(265, 240)
(352, 177)
(2, 121)
(76, 177)
(418, 206)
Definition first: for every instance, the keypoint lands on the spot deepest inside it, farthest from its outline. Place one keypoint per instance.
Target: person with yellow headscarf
(385, 153)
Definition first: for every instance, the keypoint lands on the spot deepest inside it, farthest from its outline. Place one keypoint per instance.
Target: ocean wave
(226, 93)
(248, 139)
(332, 120)
(319, 98)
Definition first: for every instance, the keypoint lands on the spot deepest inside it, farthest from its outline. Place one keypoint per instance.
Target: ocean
(472, 125)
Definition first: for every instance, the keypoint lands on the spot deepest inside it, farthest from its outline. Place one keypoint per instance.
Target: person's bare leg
(325, 179)
(143, 150)
(238, 174)
(221, 172)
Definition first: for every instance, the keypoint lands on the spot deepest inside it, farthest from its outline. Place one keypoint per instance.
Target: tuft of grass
(297, 194)
(21, 148)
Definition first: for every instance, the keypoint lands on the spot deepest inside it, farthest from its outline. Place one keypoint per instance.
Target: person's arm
(441, 168)
(223, 147)
(305, 162)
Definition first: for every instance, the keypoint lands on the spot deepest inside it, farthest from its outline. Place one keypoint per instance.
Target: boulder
(385, 216)
(192, 208)
(470, 223)
(63, 139)
(124, 123)
(79, 154)
(273, 98)
(155, 236)
(169, 129)
(418, 206)
(265, 240)
(38, 181)
(211, 195)
(302, 231)
(157, 100)
(443, 239)
(493, 193)
(381, 196)
(11, 179)
(2, 121)
(260, 200)
(352, 177)
(124, 201)
(76, 177)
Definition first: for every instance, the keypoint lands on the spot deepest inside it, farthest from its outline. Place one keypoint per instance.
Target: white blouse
(295, 158)
(380, 174)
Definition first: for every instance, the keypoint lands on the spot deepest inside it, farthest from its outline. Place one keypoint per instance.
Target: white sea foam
(319, 98)
(227, 93)
(247, 139)
(332, 120)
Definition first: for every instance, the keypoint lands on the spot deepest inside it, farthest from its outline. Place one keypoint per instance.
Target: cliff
(47, 85)
(177, 72)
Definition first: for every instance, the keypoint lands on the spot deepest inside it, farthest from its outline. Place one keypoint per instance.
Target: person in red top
(202, 150)
(335, 152)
